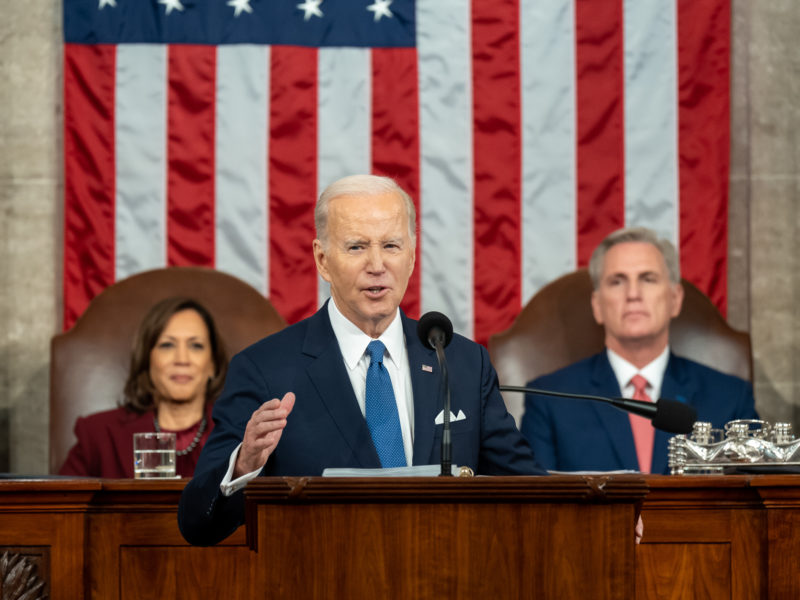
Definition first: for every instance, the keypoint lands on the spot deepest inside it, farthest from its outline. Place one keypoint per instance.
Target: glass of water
(153, 455)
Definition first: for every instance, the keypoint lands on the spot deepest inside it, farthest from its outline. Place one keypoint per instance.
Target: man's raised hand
(262, 434)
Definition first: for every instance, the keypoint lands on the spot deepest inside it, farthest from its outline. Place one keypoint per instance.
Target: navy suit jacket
(326, 427)
(575, 435)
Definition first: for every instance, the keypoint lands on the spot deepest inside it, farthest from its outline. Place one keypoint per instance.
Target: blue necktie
(381, 409)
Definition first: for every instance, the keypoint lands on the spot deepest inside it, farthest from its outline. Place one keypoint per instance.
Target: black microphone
(435, 330)
(671, 416)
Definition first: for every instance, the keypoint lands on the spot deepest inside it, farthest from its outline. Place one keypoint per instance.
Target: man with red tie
(637, 291)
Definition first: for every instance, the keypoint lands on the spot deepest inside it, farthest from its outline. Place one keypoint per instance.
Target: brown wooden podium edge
(596, 489)
(565, 488)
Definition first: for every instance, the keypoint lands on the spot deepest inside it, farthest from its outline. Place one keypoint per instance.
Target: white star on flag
(111, 3)
(381, 9)
(171, 4)
(240, 5)
(311, 8)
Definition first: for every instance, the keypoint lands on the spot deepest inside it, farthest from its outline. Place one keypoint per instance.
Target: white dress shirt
(353, 346)
(653, 372)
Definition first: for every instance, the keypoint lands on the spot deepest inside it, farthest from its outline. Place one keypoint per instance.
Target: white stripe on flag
(547, 57)
(241, 201)
(651, 116)
(446, 177)
(343, 120)
(141, 158)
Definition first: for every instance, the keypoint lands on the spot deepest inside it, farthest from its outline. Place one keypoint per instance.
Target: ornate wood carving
(20, 574)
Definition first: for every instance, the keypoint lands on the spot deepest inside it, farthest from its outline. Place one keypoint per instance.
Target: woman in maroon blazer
(177, 370)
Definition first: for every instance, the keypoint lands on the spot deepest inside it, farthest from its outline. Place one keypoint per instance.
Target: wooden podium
(481, 537)
(705, 536)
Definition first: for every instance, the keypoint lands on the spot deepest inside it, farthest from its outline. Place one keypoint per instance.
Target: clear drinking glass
(153, 455)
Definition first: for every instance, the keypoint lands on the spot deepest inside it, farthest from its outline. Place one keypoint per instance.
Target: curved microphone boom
(435, 330)
(671, 416)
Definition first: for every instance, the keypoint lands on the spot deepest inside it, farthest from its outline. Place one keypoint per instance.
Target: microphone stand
(648, 410)
(671, 416)
(526, 390)
(447, 444)
(435, 331)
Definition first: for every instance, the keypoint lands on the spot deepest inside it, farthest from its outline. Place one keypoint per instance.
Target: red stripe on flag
(703, 143)
(190, 155)
(293, 180)
(600, 97)
(89, 186)
(497, 155)
(395, 136)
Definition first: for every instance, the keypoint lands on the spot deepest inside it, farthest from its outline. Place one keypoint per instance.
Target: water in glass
(149, 464)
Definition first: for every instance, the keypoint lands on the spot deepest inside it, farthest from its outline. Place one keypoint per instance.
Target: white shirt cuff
(228, 487)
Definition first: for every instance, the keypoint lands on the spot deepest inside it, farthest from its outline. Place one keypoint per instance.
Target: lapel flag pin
(427, 368)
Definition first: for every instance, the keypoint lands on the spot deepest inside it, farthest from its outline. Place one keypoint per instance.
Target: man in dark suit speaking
(351, 386)
(637, 291)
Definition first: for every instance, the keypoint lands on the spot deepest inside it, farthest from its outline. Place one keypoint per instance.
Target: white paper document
(413, 471)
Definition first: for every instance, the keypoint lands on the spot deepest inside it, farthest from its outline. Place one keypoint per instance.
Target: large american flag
(200, 132)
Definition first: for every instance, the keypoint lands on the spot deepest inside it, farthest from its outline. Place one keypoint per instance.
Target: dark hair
(139, 393)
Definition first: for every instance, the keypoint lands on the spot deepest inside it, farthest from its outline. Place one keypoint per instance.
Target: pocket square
(439, 420)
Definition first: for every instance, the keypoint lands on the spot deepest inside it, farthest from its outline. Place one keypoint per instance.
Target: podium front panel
(515, 537)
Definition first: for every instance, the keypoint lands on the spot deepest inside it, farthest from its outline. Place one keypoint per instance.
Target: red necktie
(643, 432)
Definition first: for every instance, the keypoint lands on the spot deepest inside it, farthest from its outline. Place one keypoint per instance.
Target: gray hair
(634, 234)
(361, 185)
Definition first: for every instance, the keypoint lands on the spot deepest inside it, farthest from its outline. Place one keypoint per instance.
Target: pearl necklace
(195, 441)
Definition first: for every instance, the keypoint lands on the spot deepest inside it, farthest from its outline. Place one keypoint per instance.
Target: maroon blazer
(105, 445)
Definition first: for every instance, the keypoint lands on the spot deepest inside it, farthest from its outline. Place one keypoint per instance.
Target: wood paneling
(444, 538)
(48, 517)
(705, 537)
(715, 526)
(167, 572)
(781, 495)
(676, 571)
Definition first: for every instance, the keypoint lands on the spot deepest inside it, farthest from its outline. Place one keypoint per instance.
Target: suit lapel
(328, 374)
(615, 422)
(676, 386)
(425, 383)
